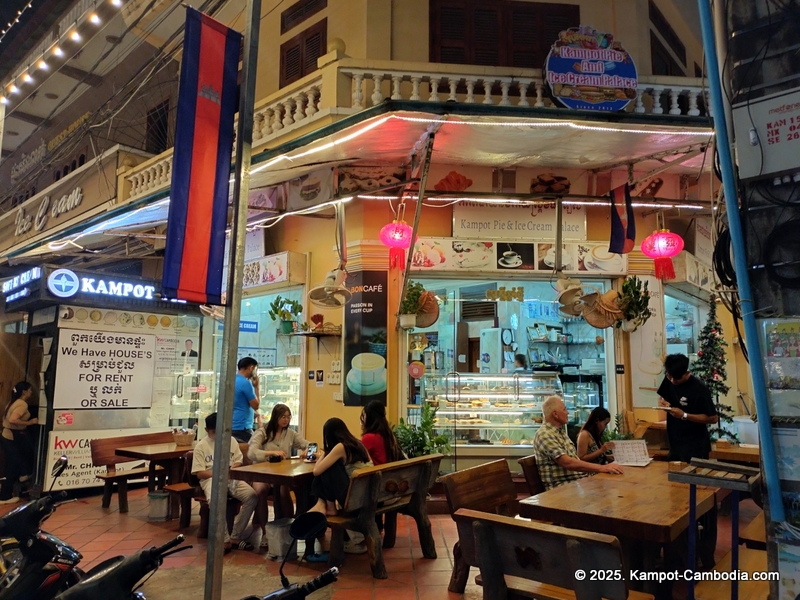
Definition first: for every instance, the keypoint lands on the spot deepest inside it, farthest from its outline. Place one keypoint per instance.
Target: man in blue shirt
(245, 400)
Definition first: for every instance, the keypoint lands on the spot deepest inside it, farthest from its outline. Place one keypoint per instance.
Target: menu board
(102, 370)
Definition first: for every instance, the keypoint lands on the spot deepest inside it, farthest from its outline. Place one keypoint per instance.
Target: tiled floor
(102, 533)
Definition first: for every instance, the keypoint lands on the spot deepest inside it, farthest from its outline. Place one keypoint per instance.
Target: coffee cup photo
(368, 368)
(602, 257)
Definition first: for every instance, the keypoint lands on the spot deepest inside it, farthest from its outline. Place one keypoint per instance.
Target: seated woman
(590, 445)
(342, 455)
(377, 435)
(520, 363)
(276, 438)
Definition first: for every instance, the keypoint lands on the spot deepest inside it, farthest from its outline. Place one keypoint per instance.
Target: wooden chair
(537, 560)
(531, 471)
(487, 488)
(755, 534)
(104, 455)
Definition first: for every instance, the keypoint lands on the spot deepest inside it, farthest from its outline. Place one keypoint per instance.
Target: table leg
(734, 543)
(692, 537)
(174, 470)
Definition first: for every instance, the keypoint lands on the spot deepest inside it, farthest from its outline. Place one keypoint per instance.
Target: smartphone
(311, 453)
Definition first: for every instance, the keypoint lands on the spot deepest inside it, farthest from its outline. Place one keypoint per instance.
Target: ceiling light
(13, 89)
(3, 100)
(94, 19)
(58, 51)
(117, 3)
(27, 78)
(42, 65)
(75, 36)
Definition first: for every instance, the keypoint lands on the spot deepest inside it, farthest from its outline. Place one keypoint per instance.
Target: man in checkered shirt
(556, 456)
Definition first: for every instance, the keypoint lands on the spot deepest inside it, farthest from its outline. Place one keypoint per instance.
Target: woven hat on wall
(428, 312)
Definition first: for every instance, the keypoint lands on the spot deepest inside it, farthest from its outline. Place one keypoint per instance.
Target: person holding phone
(275, 438)
(590, 439)
(245, 400)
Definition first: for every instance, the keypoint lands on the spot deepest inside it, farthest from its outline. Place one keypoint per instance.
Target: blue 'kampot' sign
(588, 70)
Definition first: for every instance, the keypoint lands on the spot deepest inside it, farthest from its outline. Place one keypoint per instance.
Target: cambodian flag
(201, 164)
(623, 224)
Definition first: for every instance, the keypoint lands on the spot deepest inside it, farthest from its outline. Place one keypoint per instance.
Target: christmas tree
(710, 369)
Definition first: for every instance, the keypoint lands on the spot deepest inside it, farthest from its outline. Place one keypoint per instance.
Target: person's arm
(199, 466)
(298, 442)
(679, 413)
(255, 450)
(584, 440)
(15, 417)
(581, 466)
(236, 454)
(327, 461)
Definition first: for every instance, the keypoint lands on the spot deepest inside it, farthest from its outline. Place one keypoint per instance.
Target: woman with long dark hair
(590, 439)
(17, 441)
(377, 435)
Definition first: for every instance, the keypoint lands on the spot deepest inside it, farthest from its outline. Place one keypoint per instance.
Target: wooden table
(736, 454)
(291, 472)
(166, 455)
(641, 508)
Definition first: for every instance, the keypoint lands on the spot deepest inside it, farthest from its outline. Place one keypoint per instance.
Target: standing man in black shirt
(690, 410)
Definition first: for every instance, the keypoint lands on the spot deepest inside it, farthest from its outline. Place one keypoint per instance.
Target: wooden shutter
(555, 19)
(449, 36)
(299, 12)
(525, 24)
(299, 55)
(487, 24)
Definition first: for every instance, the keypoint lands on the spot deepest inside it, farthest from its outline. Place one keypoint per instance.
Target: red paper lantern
(397, 237)
(661, 246)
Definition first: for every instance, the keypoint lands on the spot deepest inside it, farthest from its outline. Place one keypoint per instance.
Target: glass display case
(487, 415)
(279, 385)
(192, 398)
(582, 394)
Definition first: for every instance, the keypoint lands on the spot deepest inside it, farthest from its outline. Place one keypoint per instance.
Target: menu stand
(712, 473)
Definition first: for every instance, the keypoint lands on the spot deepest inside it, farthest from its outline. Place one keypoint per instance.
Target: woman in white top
(276, 438)
(17, 441)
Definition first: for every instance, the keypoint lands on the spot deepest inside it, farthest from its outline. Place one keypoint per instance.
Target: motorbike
(307, 526)
(36, 564)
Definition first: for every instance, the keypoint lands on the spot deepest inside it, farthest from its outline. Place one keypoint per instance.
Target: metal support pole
(734, 543)
(423, 180)
(559, 236)
(692, 537)
(230, 337)
(768, 459)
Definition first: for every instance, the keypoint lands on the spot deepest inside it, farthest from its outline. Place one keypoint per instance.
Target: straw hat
(569, 296)
(601, 310)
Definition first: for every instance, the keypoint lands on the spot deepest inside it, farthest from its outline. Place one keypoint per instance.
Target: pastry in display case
(488, 409)
(279, 385)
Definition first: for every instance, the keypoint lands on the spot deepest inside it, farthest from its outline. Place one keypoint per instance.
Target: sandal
(243, 545)
(318, 557)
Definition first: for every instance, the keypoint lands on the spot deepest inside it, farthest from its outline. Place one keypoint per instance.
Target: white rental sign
(476, 220)
(99, 370)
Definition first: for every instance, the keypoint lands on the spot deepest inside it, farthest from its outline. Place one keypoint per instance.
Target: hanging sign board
(476, 220)
(589, 70)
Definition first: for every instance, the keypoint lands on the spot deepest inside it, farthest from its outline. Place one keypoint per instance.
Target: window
(497, 32)
(661, 59)
(698, 72)
(299, 12)
(667, 32)
(299, 55)
(156, 135)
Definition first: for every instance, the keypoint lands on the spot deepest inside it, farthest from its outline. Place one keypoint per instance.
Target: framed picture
(533, 355)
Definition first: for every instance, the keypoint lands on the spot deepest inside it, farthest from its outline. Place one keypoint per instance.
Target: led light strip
(539, 202)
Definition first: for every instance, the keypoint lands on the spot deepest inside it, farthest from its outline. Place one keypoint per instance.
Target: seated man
(556, 456)
(203, 462)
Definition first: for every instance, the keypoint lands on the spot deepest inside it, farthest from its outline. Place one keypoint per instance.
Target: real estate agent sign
(364, 367)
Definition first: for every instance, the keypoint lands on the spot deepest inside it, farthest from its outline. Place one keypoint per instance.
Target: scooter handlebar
(156, 552)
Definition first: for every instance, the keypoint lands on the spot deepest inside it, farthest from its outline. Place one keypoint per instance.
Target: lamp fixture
(397, 237)
(42, 65)
(75, 36)
(27, 78)
(13, 89)
(116, 3)
(3, 100)
(94, 18)
(57, 51)
(661, 246)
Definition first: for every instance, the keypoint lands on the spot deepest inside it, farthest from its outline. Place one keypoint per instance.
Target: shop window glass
(663, 27)
(661, 60)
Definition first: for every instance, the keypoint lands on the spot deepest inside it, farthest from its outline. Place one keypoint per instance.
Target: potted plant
(377, 343)
(284, 310)
(410, 305)
(419, 440)
(634, 302)
(611, 435)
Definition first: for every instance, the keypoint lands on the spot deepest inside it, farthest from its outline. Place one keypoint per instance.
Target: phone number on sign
(676, 575)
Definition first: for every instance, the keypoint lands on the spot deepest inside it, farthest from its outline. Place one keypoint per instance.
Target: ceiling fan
(333, 293)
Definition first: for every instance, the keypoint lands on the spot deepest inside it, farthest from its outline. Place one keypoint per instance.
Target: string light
(5, 31)
(27, 78)
(13, 89)
(75, 36)
(94, 19)
(57, 51)
(42, 65)
(3, 100)
(116, 3)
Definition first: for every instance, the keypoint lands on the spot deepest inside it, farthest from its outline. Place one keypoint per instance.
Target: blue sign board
(244, 326)
(588, 70)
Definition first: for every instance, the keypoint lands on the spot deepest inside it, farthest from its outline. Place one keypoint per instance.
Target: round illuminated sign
(63, 283)
(588, 70)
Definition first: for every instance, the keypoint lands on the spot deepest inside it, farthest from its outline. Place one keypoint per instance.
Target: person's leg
(12, 472)
(287, 506)
(261, 516)
(249, 499)
(242, 435)
(27, 451)
(330, 487)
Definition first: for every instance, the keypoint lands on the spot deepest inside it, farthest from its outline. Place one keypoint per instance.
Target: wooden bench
(537, 560)
(531, 471)
(755, 534)
(104, 455)
(750, 561)
(384, 490)
(487, 488)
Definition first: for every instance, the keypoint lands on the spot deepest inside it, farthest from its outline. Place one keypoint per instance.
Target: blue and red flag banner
(623, 224)
(201, 163)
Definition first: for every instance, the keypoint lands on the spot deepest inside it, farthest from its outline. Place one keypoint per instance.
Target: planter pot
(629, 326)
(377, 348)
(408, 321)
(287, 326)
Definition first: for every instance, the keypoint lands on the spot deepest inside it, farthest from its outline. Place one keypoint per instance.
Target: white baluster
(278, 122)
(674, 109)
(471, 90)
(453, 82)
(657, 109)
(396, 79)
(358, 93)
(299, 109)
(135, 182)
(523, 91)
(693, 110)
(311, 107)
(168, 170)
(434, 97)
(258, 119)
(639, 103)
(287, 112)
(487, 91)
(266, 127)
(415, 81)
(160, 168)
(149, 178)
(539, 95)
(709, 109)
(504, 85)
(377, 94)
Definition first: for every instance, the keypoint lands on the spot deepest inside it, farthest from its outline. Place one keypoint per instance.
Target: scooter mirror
(308, 525)
(59, 467)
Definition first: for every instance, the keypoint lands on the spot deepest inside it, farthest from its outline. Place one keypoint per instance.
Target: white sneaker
(352, 548)
(12, 500)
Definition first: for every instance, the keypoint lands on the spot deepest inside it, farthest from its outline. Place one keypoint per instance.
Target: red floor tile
(353, 594)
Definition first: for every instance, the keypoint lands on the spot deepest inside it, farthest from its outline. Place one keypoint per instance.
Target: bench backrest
(400, 479)
(531, 471)
(104, 450)
(539, 552)
(487, 488)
